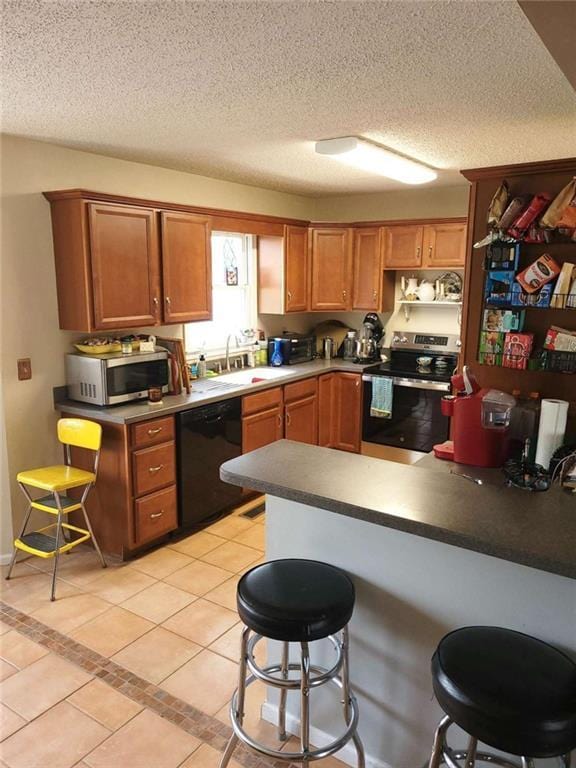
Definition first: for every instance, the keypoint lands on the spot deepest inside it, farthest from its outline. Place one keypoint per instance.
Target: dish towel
(381, 405)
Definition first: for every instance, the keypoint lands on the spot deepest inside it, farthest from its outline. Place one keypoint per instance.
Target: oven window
(136, 377)
(417, 423)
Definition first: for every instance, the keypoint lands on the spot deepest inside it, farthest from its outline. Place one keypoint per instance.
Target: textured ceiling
(241, 90)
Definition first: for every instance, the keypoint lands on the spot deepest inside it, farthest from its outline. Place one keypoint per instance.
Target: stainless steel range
(420, 368)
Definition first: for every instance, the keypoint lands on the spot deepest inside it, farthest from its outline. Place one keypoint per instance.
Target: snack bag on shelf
(517, 348)
(514, 209)
(538, 273)
(555, 214)
(498, 205)
(560, 339)
(523, 221)
(562, 286)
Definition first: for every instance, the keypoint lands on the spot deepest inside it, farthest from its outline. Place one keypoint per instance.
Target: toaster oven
(111, 379)
(295, 347)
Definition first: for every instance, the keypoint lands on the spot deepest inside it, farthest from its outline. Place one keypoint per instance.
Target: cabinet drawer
(152, 432)
(262, 401)
(300, 389)
(155, 515)
(153, 468)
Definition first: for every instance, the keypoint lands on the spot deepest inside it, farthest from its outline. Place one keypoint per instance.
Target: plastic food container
(496, 409)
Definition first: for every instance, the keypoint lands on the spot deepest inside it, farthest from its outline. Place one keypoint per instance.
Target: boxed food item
(560, 339)
(499, 287)
(538, 273)
(503, 320)
(502, 256)
(517, 349)
(540, 298)
(491, 347)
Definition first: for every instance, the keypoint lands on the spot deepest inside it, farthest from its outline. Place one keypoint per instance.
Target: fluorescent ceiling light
(374, 159)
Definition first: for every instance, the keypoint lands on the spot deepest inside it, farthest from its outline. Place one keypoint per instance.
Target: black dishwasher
(206, 437)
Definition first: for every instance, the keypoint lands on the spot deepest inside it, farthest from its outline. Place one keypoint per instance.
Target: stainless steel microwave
(115, 378)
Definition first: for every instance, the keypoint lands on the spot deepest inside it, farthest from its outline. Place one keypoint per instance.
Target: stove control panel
(448, 342)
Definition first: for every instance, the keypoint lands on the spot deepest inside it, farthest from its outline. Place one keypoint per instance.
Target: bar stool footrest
(42, 543)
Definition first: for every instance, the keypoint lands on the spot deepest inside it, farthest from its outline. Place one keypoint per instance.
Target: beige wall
(429, 203)
(28, 312)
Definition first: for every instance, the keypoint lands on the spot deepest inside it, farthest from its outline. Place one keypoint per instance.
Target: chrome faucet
(230, 335)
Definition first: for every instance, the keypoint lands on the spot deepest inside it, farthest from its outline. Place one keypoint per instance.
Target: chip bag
(562, 210)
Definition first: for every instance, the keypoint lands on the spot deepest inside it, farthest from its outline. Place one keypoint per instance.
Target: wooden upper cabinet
(444, 245)
(296, 269)
(402, 246)
(124, 265)
(331, 269)
(283, 272)
(186, 267)
(367, 280)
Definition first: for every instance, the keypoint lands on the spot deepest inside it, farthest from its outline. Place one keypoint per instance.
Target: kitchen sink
(205, 386)
(249, 375)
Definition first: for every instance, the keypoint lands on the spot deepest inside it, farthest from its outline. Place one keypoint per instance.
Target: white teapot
(426, 291)
(412, 291)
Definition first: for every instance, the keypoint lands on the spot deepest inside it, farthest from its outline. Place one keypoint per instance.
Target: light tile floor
(132, 667)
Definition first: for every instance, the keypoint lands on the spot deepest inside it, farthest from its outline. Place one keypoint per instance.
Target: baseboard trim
(269, 712)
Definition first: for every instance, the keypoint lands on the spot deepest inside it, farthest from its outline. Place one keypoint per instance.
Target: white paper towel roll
(551, 431)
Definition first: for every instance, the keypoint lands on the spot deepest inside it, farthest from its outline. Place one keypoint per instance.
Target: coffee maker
(369, 337)
(480, 421)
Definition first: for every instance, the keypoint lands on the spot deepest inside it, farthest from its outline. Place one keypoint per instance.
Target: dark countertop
(533, 529)
(140, 410)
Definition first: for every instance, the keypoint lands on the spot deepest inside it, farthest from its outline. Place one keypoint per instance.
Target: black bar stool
(295, 601)
(508, 690)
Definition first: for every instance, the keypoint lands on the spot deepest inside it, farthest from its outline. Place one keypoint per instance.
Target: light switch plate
(24, 369)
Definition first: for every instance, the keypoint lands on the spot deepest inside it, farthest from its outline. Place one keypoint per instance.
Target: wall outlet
(24, 369)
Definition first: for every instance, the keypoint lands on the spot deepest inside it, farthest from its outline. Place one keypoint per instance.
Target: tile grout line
(204, 727)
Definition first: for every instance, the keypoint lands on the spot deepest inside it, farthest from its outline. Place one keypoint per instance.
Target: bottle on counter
(276, 356)
(524, 424)
(253, 355)
(202, 367)
(350, 346)
(263, 352)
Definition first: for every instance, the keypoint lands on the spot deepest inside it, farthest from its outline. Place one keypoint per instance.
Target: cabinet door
(402, 247)
(125, 266)
(301, 418)
(326, 410)
(331, 269)
(444, 245)
(186, 267)
(367, 270)
(296, 269)
(348, 407)
(261, 428)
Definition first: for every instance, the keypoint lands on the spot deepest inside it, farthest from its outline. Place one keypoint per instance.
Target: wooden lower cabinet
(340, 411)
(301, 411)
(261, 429)
(134, 501)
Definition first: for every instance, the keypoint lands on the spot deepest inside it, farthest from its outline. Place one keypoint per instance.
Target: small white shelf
(418, 303)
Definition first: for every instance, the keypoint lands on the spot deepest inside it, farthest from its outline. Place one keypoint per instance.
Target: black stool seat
(295, 600)
(507, 689)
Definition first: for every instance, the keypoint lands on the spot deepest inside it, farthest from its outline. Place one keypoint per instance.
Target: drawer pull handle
(156, 469)
(154, 515)
(154, 431)
(288, 419)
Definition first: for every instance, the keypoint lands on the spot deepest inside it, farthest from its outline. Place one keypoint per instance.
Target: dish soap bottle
(202, 367)
(276, 357)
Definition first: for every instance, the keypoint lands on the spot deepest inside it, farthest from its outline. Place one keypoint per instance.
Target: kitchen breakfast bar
(426, 557)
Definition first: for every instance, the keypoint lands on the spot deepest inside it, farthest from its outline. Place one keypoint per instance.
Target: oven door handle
(437, 386)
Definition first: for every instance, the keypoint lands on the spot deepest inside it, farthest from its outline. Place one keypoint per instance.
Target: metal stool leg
(282, 735)
(438, 747)
(22, 531)
(305, 703)
(346, 697)
(233, 741)
(57, 550)
(471, 752)
(89, 526)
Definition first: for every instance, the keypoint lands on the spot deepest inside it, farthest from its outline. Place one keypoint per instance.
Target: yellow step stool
(51, 541)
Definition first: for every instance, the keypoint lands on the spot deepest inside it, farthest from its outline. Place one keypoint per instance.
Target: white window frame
(193, 347)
